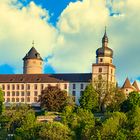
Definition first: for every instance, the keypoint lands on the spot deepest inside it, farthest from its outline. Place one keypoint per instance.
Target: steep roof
(136, 85)
(46, 78)
(32, 54)
(127, 84)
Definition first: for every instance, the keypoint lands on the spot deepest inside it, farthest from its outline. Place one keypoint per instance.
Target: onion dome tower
(33, 63)
(103, 68)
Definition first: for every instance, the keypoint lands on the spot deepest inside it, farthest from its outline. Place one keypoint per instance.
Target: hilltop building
(128, 87)
(26, 87)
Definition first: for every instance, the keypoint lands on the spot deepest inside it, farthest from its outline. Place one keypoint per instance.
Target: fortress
(26, 87)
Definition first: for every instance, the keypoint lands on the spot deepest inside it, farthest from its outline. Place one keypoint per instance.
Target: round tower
(33, 63)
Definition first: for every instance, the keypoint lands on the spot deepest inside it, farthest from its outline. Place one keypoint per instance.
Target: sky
(68, 32)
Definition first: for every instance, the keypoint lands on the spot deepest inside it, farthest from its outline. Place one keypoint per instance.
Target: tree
(105, 91)
(132, 102)
(1, 102)
(80, 121)
(117, 99)
(53, 99)
(134, 123)
(55, 131)
(113, 125)
(89, 99)
(16, 116)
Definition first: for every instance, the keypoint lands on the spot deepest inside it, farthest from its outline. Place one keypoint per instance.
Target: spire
(105, 39)
(33, 43)
(136, 85)
(33, 54)
(127, 84)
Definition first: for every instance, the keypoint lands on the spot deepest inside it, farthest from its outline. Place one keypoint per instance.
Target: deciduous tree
(53, 99)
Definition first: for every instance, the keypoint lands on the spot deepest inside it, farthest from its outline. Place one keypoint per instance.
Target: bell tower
(104, 68)
(32, 62)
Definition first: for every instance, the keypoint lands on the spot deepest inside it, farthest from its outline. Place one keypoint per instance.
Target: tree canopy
(89, 99)
(53, 98)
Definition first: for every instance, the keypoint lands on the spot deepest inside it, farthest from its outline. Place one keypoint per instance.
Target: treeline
(101, 115)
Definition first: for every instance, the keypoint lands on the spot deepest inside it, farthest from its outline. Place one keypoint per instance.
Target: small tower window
(100, 69)
(101, 59)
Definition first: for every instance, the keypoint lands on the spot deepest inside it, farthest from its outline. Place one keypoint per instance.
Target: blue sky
(68, 32)
(55, 7)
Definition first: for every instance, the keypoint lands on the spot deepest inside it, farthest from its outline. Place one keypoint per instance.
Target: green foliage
(55, 131)
(1, 102)
(89, 99)
(81, 121)
(132, 102)
(112, 125)
(117, 99)
(53, 99)
(134, 123)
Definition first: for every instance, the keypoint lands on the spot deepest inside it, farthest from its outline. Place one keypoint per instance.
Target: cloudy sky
(68, 32)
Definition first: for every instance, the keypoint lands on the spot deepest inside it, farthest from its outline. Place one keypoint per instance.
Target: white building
(26, 87)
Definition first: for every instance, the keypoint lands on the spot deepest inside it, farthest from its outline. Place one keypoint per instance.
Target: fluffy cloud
(81, 27)
(72, 44)
(20, 25)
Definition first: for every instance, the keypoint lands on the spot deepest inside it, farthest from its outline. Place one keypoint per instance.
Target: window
(28, 93)
(35, 99)
(22, 99)
(42, 86)
(111, 78)
(13, 87)
(35, 86)
(8, 93)
(82, 86)
(74, 86)
(8, 99)
(13, 93)
(101, 59)
(22, 93)
(65, 86)
(8, 87)
(73, 93)
(28, 99)
(3, 87)
(28, 86)
(13, 99)
(100, 69)
(3, 93)
(17, 93)
(22, 87)
(111, 71)
(35, 93)
(17, 87)
(100, 77)
(17, 99)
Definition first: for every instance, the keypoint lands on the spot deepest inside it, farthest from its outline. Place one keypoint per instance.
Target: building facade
(26, 87)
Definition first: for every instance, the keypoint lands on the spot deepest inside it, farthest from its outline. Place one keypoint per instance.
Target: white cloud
(18, 27)
(80, 27)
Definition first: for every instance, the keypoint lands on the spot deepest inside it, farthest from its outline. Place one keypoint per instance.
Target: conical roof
(32, 54)
(105, 37)
(136, 85)
(127, 84)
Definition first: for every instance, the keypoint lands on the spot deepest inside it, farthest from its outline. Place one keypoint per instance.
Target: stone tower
(33, 63)
(104, 68)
